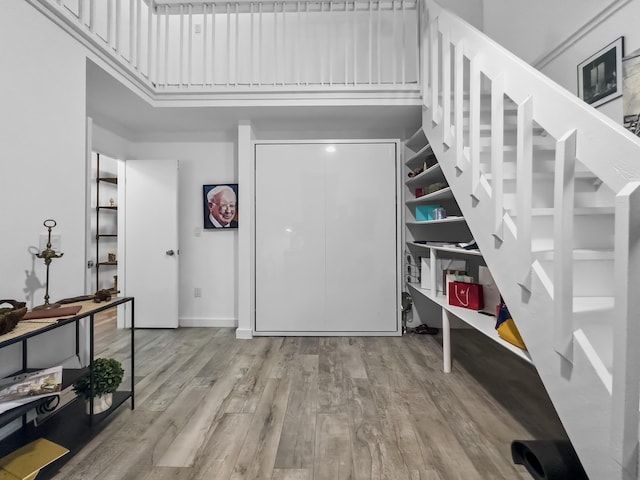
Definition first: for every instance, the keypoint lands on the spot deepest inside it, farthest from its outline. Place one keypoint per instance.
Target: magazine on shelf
(26, 387)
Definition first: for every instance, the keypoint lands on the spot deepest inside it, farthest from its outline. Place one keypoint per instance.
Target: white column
(246, 233)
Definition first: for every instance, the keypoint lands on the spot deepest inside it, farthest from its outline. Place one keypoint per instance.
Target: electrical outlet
(197, 292)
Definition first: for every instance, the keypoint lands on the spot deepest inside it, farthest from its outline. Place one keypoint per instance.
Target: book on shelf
(27, 387)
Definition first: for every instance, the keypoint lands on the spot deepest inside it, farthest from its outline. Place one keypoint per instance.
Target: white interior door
(151, 241)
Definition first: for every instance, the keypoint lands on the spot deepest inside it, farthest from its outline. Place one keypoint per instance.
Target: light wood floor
(209, 406)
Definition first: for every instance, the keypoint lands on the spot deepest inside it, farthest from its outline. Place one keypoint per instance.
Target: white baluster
(132, 28)
(370, 45)
(275, 44)
(205, 45)
(181, 59)
(283, 37)
(446, 86)
(416, 59)
(149, 39)
(166, 45)
(433, 68)
(251, 45)
(299, 44)
(228, 45)
(156, 77)
(404, 45)
(563, 201)
(379, 41)
(189, 44)
(524, 185)
(474, 124)
(260, 69)
(236, 55)
(458, 101)
(81, 12)
(355, 42)
(306, 43)
(497, 154)
(213, 44)
(118, 24)
(330, 42)
(109, 23)
(92, 15)
(626, 333)
(346, 42)
(138, 32)
(394, 62)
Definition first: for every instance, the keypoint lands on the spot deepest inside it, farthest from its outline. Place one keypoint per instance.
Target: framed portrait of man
(220, 206)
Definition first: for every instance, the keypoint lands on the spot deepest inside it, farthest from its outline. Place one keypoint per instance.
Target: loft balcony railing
(366, 46)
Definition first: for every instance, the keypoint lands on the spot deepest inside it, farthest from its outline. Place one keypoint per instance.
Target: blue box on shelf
(426, 212)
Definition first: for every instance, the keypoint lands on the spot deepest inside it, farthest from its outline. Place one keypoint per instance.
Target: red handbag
(466, 295)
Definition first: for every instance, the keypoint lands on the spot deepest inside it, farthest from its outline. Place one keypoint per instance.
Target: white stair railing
(352, 45)
(597, 398)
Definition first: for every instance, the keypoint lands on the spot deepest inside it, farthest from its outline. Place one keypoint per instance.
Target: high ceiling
(117, 108)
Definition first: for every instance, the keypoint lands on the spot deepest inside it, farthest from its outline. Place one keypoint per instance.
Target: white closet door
(326, 251)
(290, 257)
(360, 239)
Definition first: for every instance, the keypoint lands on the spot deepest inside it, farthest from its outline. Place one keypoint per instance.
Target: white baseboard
(244, 334)
(208, 322)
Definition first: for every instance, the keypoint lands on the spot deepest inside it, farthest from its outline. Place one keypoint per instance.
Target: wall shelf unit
(70, 426)
(106, 228)
(439, 239)
(479, 321)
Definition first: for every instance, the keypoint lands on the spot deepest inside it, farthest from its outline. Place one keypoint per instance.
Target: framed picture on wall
(220, 205)
(600, 75)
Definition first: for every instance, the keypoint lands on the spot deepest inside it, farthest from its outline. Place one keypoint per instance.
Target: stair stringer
(580, 397)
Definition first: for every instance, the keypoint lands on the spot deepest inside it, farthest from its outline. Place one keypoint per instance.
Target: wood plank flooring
(209, 406)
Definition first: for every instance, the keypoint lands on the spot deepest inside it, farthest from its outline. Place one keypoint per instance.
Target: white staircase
(549, 189)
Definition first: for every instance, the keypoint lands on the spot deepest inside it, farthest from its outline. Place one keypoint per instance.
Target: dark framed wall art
(220, 205)
(600, 75)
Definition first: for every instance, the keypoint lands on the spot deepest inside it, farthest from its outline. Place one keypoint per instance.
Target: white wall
(42, 166)
(471, 11)
(42, 135)
(623, 23)
(532, 30)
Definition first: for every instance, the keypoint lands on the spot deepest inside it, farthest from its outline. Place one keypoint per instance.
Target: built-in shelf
(419, 158)
(435, 222)
(430, 175)
(417, 141)
(442, 194)
(443, 248)
(484, 323)
(105, 223)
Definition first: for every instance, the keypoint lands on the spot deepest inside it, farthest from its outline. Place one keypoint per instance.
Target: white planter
(100, 404)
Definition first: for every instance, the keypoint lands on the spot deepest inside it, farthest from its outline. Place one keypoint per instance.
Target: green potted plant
(107, 376)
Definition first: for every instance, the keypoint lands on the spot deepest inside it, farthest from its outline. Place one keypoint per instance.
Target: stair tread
(578, 254)
(541, 212)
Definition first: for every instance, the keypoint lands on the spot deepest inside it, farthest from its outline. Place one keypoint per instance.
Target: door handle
(170, 252)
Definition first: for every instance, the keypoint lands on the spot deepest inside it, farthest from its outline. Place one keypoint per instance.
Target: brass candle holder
(48, 254)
